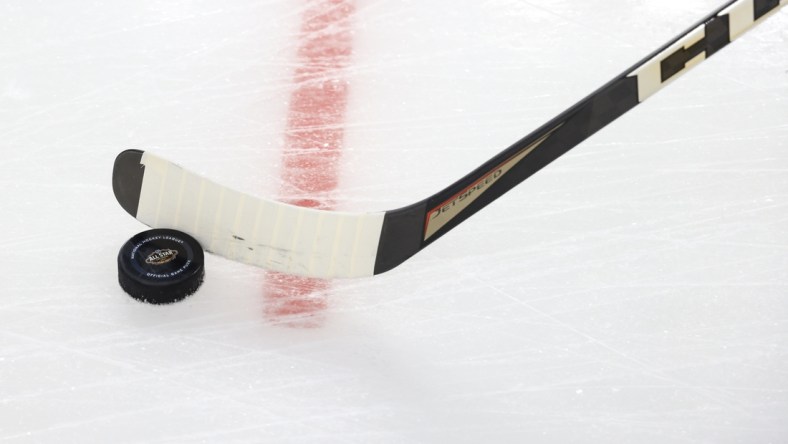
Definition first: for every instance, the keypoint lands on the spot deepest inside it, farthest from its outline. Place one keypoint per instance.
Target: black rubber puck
(161, 266)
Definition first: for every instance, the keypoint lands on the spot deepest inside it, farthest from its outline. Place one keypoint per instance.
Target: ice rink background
(636, 290)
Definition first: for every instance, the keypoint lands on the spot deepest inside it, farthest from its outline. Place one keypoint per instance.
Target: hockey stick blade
(316, 243)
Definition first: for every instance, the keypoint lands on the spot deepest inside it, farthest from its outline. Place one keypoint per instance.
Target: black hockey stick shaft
(407, 230)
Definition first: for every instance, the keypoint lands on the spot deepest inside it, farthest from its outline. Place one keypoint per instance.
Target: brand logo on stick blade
(439, 216)
(161, 257)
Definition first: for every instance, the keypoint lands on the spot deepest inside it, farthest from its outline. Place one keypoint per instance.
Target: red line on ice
(313, 143)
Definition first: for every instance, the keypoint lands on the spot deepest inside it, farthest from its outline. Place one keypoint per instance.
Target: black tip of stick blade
(161, 266)
(127, 180)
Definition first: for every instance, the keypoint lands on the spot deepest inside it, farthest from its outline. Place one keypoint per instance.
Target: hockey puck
(161, 266)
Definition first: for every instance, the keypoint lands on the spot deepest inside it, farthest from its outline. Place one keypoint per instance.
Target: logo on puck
(161, 257)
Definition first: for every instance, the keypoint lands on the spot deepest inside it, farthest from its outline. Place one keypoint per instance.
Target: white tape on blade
(261, 232)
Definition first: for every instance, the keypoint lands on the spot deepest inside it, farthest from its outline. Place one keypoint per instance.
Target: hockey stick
(317, 243)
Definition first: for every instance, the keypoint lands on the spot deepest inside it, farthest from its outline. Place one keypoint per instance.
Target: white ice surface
(634, 291)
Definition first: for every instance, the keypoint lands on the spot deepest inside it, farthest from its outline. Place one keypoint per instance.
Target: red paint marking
(313, 144)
